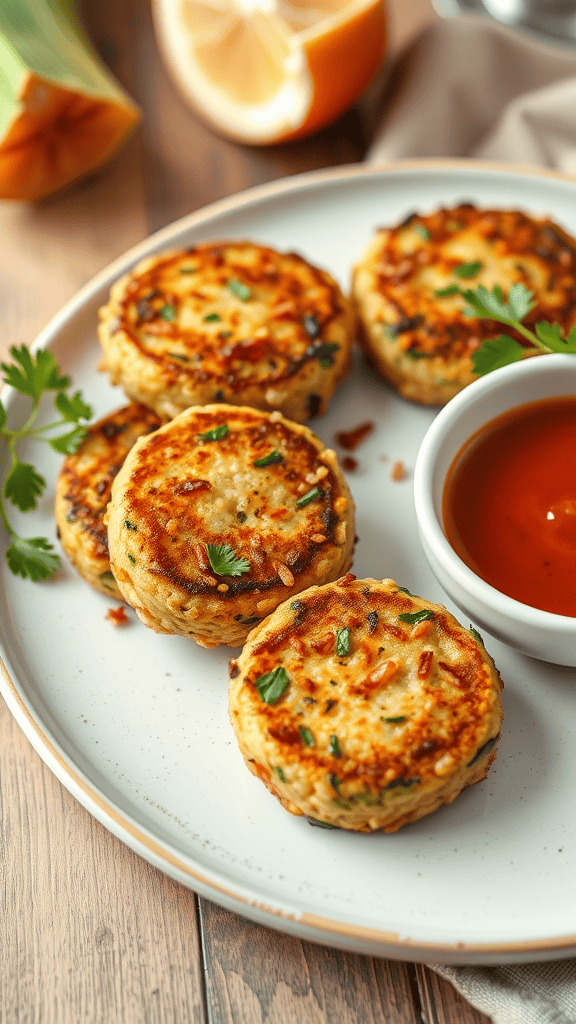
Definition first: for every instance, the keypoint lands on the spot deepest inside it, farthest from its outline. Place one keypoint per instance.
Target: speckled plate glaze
(136, 727)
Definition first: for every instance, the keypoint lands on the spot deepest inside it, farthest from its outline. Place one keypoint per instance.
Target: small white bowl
(540, 634)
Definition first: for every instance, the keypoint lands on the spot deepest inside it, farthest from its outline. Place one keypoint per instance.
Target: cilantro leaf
(74, 408)
(496, 352)
(67, 444)
(225, 562)
(24, 486)
(30, 558)
(31, 375)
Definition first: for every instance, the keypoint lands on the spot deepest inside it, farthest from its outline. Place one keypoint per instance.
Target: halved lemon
(265, 71)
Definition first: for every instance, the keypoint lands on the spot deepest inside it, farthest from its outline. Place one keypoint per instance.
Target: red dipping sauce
(509, 504)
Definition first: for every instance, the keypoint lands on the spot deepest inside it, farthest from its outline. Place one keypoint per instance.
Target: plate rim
(314, 927)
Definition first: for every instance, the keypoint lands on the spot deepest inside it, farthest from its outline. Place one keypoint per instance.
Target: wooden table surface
(89, 931)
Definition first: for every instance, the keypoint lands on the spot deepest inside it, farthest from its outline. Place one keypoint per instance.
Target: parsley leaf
(30, 558)
(68, 443)
(74, 408)
(272, 684)
(551, 336)
(23, 486)
(468, 269)
(496, 352)
(225, 562)
(32, 374)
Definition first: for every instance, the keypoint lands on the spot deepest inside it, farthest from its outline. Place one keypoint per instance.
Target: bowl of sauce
(495, 498)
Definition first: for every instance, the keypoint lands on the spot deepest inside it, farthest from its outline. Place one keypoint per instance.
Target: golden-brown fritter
(222, 514)
(83, 491)
(364, 707)
(405, 289)
(230, 322)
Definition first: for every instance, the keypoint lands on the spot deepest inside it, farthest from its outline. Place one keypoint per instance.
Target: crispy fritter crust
(228, 322)
(421, 342)
(83, 491)
(177, 493)
(376, 737)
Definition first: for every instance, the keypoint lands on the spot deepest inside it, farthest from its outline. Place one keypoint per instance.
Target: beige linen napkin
(470, 87)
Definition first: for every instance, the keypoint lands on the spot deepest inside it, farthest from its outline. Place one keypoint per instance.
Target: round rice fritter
(83, 491)
(364, 707)
(221, 515)
(228, 322)
(405, 289)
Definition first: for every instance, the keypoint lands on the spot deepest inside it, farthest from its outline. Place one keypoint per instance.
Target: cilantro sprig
(33, 375)
(502, 350)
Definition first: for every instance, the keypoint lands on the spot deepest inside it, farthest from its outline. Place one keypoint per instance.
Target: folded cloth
(468, 86)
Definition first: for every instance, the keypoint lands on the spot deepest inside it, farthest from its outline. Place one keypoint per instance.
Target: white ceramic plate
(135, 725)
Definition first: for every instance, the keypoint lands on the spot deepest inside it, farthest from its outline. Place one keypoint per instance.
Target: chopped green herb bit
(272, 684)
(216, 434)
(212, 318)
(312, 495)
(415, 617)
(404, 590)
(269, 460)
(343, 641)
(168, 312)
(131, 559)
(178, 355)
(476, 635)
(306, 736)
(335, 746)
(468, 269)
(451, 289)
(421, 230)
(320, 824)
(106, 576)
(394, 718)
(241, 517)
(335, 782)
(239, 289)
(324, 352)
(280, 774)
(403, 783)
(129, 525)
(225, 561)
(188, 270)
(483, 751)
(414, 353)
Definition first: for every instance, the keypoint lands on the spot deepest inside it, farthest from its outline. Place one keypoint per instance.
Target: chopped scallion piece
(306, 736)
(216, 434)
(468, 269)
(343, 641)
(415, 617)
(451, 289)
(312, 495)
(168, 312)
(239, 289)
(212, 318)
(269, 460)
(335, 746)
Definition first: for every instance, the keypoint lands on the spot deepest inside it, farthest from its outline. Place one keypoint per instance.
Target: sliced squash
(61, 112)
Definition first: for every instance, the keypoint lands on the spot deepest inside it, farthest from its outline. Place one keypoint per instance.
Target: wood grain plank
(90, 933)
(442, 1004)
(257, 975)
